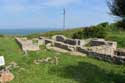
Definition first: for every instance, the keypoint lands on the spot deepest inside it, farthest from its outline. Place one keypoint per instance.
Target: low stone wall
(103, 56)
(97, 42)
(47, 41)
(119, 59)
(27, 45)
(104, 49)
(82, 50)
(63, 39)
(100, 42)
(120, 52)
(59, 38)
(64, 46)
(71, 42)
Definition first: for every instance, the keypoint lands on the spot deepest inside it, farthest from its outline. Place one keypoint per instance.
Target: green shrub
(121, 25)
(95, 32)
(78, 35)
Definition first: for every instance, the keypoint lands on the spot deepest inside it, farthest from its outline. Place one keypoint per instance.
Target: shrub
(78, 35)
(95, 32)
(121, 25)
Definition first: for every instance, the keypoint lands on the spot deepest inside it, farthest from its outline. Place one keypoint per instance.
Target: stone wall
(63, 39)
(97, 42)
(71, 42)
(104, 49)
(47, 41)
(59, 38)
(27, 45)
(64, 46)
(82, 50)
(103, 56)
(99, 48)
(120, 52)
(100, 42)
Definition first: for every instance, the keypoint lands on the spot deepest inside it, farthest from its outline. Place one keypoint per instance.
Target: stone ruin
(47, 60)
(98, 48)
(27, 45)
(63, 39)
(120, 52)
(59, 38)
(101, 42)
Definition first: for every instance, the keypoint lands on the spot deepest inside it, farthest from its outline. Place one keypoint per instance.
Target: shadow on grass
(87, 73)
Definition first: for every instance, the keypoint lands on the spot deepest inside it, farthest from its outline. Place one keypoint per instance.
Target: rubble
(6, 76)
(50, 60)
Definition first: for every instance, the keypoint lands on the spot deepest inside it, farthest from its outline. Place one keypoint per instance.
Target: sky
(49, 13)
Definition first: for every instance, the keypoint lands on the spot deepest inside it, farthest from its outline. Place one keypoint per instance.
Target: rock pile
(12, 65)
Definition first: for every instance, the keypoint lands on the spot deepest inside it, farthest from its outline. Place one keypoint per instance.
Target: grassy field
(70, 69)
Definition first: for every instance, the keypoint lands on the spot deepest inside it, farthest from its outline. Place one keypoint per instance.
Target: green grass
(118, 36)
(67, 33)
(71, 69)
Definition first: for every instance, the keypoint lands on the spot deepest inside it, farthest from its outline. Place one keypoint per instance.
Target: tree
(117, 8)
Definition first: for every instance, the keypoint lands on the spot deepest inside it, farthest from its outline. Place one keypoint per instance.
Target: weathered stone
(49, 41)
(63, 39)
(65, 46)
(50, 60)
(12, 65)
(71, 42)
(27, 45)
(59, 38)
(100, 42)
(6, 76)
(120, 52)
(119, 59)
(97, 42)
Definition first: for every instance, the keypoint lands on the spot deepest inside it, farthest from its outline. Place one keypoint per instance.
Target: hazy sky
(48, 13)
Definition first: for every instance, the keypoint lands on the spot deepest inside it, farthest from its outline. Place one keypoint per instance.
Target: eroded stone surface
(6, 76)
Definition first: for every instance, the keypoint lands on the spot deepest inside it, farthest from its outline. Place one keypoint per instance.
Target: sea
(26, 31)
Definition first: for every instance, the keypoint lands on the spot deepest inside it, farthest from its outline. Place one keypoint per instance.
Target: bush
(99, 31)
(78, 35)
(121, 25)
(95, 32)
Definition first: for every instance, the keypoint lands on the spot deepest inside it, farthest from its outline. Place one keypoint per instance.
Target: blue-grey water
(25, 31)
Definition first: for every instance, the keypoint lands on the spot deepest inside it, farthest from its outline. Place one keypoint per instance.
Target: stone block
(59, 38)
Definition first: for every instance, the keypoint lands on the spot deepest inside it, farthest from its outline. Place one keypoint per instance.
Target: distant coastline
(25, 31)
